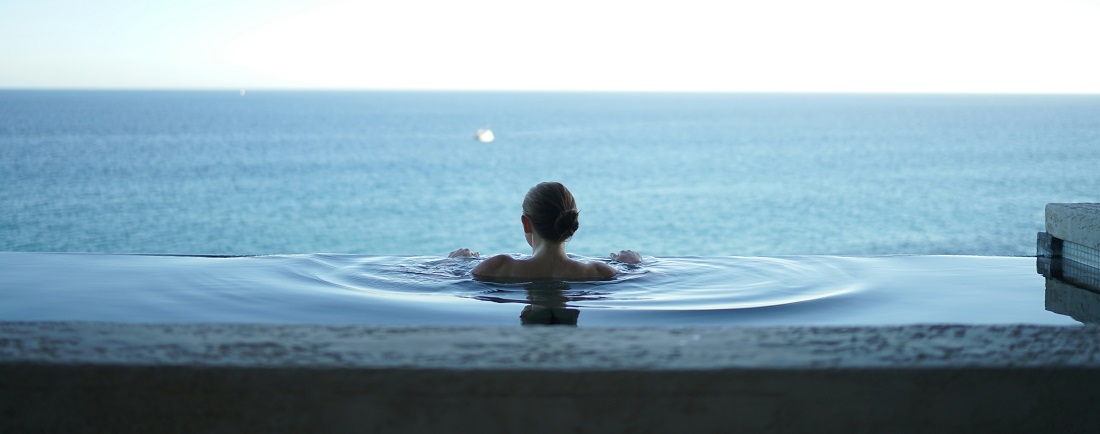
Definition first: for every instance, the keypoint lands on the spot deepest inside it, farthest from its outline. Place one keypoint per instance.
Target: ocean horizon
(667, 174)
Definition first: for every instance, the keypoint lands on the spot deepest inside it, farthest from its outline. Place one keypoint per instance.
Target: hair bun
(552, 211)
(566, 223)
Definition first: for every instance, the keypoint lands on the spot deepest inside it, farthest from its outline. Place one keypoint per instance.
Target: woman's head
(552, 211)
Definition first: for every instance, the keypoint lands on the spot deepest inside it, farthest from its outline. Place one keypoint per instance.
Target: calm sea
(399, 173)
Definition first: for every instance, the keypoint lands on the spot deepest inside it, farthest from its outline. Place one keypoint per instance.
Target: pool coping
(1076, 222)
(551, 348)
(67, 376)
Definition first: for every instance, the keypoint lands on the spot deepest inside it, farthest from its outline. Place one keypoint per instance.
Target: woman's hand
(627, 256)
(464, 253)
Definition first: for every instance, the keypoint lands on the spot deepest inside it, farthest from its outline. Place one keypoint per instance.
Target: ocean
(666, 174)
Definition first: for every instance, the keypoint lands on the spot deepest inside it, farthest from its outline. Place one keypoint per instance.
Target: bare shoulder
(495, 266)
(603, 270)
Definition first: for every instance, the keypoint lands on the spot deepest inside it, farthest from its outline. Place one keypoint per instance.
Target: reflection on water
(1079, 303)
(1072, 288)
(548, 305)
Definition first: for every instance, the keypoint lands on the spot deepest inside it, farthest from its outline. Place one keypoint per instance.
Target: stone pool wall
(72, 377)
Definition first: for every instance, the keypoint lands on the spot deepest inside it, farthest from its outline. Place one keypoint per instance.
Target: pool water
(420, 290)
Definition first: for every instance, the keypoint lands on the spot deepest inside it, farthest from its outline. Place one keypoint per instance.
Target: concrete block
(1075, 222)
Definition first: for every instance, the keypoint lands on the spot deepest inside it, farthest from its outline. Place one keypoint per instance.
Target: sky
(967, 46)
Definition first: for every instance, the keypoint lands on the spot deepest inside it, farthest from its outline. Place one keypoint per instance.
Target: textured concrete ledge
(549, 348)
(165, 378)
(1075, 222)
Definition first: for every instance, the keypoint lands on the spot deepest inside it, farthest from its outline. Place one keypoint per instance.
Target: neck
(542, 248)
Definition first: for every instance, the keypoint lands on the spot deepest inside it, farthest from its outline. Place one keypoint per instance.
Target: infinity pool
(420, 290)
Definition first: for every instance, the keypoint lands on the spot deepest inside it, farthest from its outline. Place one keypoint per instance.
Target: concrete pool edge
(61, 376)
(1076, 222)
(549, 348)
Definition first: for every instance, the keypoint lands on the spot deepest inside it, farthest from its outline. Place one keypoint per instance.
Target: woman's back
(541, 268)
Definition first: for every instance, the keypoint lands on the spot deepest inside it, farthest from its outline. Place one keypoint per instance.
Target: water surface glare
(418, 290)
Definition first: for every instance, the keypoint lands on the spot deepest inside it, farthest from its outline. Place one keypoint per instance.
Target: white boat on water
(484, 135)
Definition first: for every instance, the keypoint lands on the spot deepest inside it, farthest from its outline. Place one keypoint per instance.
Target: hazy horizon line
(491, 90)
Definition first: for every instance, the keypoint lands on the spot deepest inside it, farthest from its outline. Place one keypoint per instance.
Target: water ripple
(675, 283)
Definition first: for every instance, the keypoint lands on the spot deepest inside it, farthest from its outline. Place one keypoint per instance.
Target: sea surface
(399, 173)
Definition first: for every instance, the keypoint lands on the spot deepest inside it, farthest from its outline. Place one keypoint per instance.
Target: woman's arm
(495, 266)
(603, 270)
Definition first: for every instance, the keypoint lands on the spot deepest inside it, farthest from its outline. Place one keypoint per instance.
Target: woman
(549, 220)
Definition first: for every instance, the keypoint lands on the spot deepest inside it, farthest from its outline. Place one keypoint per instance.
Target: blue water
(740, 203)
(398, 173)
(430, 290)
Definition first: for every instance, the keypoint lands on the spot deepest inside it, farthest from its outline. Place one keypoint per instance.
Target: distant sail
(242, 91)
(484, 135)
